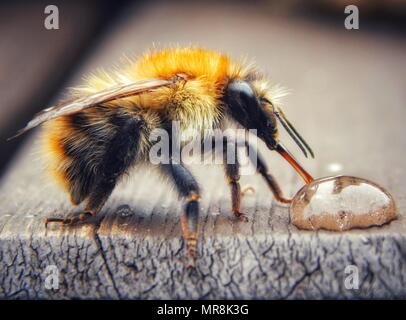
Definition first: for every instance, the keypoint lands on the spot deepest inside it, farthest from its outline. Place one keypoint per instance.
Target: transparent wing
(110, 94)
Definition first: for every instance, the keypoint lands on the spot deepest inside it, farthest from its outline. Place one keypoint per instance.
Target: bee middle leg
(189, 190)
(232, 171)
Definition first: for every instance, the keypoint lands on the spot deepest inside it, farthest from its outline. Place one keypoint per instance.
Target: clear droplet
(341, 203)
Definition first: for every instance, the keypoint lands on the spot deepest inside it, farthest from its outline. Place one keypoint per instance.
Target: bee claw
(241, 216)
(57, 220)
(68, 221)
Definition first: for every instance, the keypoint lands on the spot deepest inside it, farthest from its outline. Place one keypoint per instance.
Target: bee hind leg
(81, 217)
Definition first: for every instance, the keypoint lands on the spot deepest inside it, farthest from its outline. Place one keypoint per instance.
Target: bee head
(245, 107)
(254, 112)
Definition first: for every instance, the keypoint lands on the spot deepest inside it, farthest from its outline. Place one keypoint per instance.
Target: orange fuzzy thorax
(207, 71)
(211, 66)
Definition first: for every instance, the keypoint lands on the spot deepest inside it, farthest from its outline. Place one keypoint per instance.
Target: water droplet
(341, 203)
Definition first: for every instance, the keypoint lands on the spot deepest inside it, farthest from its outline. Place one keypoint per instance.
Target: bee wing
(110, 94)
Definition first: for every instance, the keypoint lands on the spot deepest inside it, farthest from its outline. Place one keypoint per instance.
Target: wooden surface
(348, 101)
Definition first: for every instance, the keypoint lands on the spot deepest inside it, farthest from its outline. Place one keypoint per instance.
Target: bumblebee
(103, 130)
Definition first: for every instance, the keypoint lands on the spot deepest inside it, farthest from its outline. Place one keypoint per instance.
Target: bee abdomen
(98, 148)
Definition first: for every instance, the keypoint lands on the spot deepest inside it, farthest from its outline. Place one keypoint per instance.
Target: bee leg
(232, 171)
(189, 190)
(83, 216)
(262, 169)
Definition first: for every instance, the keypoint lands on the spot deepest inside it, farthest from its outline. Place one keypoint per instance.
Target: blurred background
(348, 86)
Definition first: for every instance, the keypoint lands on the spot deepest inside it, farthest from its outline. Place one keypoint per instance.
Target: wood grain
(348, 102)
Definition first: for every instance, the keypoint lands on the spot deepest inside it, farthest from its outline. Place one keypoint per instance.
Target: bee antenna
(293, 132)
(288, 130)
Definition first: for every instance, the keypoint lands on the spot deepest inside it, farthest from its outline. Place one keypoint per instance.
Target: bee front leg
(262, 169)
(190, 192)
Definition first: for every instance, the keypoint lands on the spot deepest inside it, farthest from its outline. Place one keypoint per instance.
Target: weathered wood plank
(349, 103)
